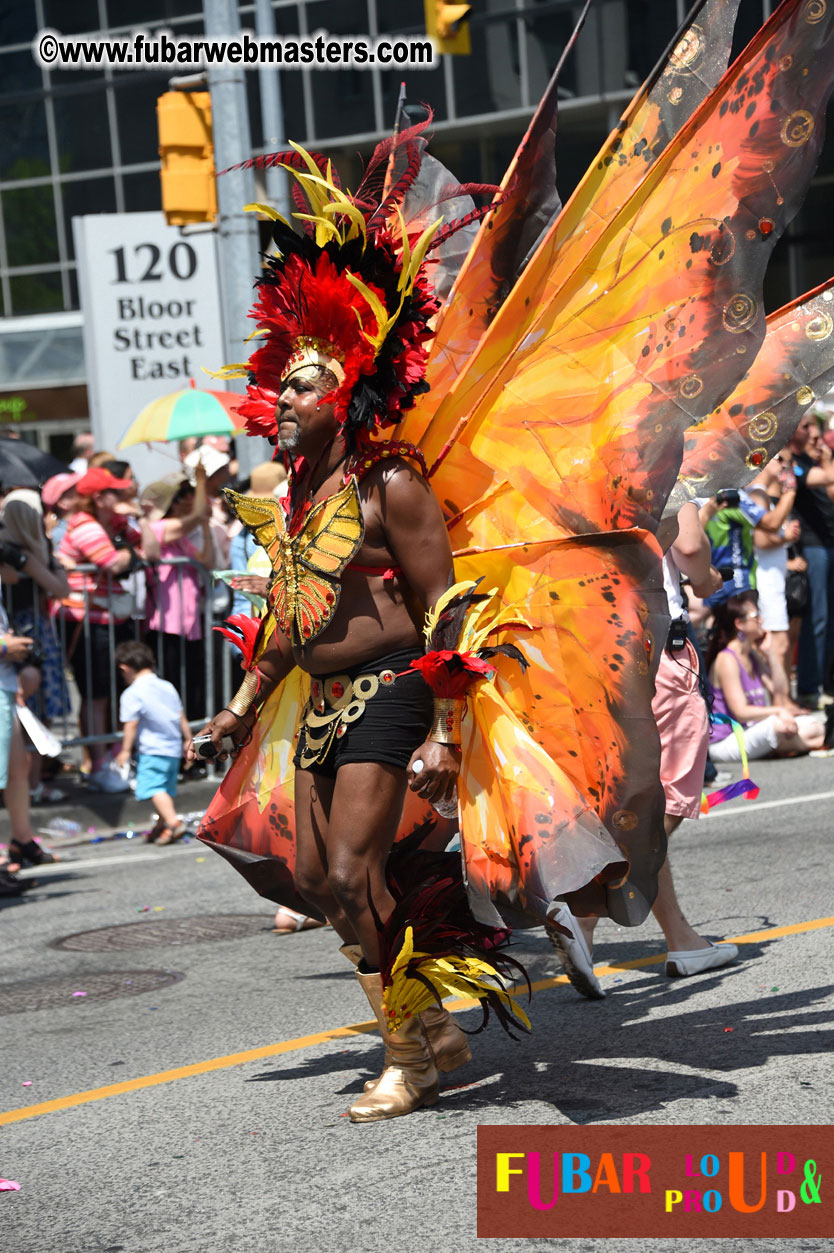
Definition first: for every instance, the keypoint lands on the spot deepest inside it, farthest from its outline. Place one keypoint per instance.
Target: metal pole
(237, 232)
(272, 113)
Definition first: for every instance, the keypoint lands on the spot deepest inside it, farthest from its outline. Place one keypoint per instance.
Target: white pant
(760, 739)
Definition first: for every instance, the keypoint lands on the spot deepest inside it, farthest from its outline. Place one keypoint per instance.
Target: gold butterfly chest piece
(305, 587)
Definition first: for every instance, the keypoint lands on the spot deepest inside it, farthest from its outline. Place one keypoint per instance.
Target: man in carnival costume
(540, 412)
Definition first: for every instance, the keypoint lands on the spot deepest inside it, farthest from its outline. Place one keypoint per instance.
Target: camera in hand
(728, 496)
(207, 750)
(11, 555)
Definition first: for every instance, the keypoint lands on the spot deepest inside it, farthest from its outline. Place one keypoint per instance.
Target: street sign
(152, 320)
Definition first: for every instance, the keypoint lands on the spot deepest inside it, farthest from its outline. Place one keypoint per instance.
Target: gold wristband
(245, 695)
(445, 727)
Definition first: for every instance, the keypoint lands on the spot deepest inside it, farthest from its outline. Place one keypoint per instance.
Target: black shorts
(394, 722)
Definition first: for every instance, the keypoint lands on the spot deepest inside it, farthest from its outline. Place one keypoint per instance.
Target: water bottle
(446, 809)
(61, 826)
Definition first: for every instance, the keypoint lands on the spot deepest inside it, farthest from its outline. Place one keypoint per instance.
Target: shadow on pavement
(603, 1061)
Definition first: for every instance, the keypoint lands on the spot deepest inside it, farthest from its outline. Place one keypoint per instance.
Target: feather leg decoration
(432, 946)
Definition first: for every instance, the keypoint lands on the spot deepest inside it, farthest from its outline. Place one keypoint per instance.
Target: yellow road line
(183, 1072)
(337, 1033)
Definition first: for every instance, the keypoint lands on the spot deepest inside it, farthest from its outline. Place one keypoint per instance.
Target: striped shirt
(86, 542)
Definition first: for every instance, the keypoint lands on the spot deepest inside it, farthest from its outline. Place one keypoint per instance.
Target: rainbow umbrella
(181, 414)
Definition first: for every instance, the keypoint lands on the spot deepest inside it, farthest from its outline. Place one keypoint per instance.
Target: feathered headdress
(356, 291)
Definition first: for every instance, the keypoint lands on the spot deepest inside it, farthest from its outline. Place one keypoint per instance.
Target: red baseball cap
(100, 480)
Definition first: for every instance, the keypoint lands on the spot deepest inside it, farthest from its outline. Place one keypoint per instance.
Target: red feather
(243, 632)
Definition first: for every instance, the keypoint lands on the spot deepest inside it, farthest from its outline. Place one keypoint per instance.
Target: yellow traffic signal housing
(189, 193)
(447, 25)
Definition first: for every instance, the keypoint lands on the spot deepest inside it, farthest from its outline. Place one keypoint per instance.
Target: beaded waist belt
(334, 703)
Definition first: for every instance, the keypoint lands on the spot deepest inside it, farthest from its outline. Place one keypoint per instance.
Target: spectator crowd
(93, 564)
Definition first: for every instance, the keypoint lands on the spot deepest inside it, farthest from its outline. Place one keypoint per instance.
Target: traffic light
(185, 146)
(447, 25)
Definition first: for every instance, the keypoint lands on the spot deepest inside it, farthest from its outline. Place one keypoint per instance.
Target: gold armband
(445, 727)
(244, 697)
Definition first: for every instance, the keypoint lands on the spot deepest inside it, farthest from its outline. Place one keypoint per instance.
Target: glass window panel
(36, 293)
(403, 14)
(750, 17)
(136, 113)
(651, 25)
(343, 100)
(24, 151)
(20, 72)
(74, 302)
(426, 86)
(292, 96)
(72, 78)
(73, 18)
(92, 195)
(82, 132)
(144, 12)
(489, 79)
(546, 35)
(253, 99)
(29, 221)
(812, 231)
(142, 192)
(18, 22)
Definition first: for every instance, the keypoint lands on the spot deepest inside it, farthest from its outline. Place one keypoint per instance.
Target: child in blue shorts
(154, 724)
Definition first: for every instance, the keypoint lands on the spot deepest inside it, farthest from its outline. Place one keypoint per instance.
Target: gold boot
(409, 1080)
(448, 1042)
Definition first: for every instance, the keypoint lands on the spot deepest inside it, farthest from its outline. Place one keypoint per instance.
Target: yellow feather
(322, 225)
(343, 206)
(433, 615)
(239, 370)
(307, 159)
(378, 309)
(418, 254)
(267, 210)
(406, 249)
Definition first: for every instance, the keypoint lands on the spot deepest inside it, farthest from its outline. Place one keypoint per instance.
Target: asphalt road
(256, 1155)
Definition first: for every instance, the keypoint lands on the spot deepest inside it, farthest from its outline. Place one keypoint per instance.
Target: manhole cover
(156, 931)
(52, 993)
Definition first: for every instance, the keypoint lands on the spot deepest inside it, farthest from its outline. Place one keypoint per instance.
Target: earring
(318, 406)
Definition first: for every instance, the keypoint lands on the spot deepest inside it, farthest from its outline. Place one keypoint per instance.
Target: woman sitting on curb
(741, 686)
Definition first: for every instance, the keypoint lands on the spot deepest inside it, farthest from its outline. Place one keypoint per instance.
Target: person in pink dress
(176, 509)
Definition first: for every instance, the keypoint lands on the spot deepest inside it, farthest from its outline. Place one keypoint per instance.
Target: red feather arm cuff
(449, 673)
(244, 632)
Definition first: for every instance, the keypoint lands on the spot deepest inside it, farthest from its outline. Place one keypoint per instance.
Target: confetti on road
(201, 859)
(9, 1185)
(728, 1029)
(27, 1083)
(157, 909)
(79, 993)
(142, 909)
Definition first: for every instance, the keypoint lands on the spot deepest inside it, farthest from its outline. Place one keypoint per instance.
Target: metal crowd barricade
(73, 634)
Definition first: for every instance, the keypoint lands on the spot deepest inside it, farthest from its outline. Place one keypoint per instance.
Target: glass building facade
(80, 142)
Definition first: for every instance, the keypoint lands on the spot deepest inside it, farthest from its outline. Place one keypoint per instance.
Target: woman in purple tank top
(741, 687)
